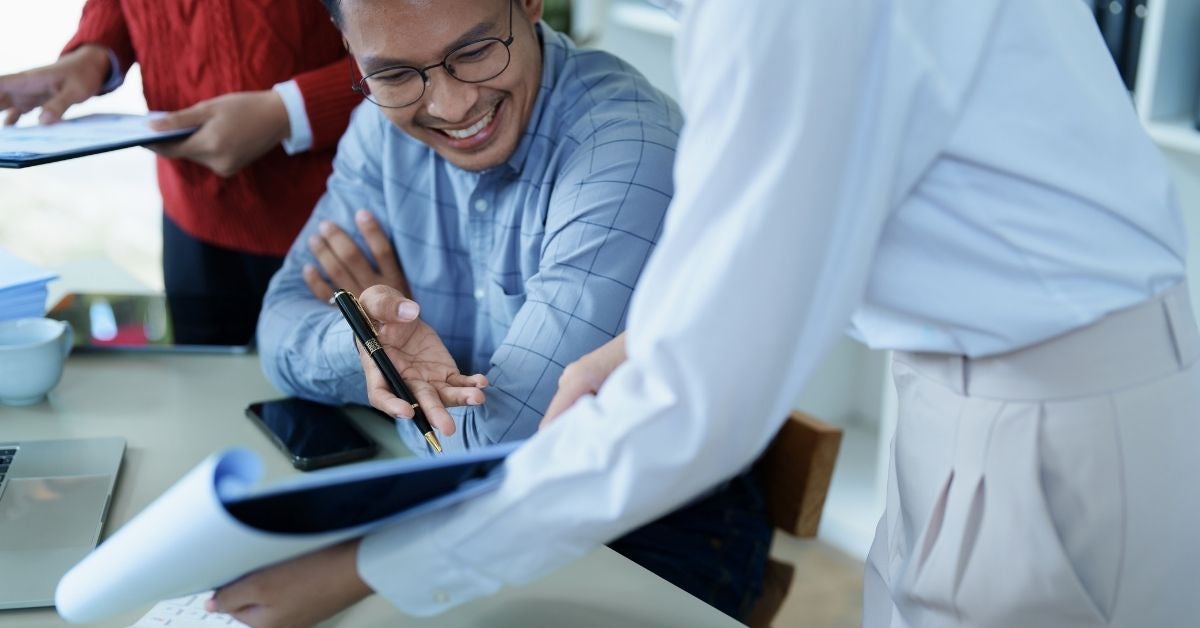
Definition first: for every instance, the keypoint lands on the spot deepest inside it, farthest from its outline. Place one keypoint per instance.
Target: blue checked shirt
(520, 269)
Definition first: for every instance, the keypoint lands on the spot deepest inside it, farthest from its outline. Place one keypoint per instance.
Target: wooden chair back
(796, 471)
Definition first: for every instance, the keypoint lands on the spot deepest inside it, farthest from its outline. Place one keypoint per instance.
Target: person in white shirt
(965, 183)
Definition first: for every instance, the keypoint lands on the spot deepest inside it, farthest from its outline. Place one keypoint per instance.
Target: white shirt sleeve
(785, 173)
(301, 138)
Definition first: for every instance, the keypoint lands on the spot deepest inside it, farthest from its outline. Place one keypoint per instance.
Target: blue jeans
(715, 548)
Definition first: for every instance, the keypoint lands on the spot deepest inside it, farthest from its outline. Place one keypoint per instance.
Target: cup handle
(68, 339)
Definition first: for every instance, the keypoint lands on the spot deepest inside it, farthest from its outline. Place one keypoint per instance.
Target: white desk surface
(174, 410)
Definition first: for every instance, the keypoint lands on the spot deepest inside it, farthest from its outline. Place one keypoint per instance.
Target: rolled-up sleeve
(306, 348)
(605, 214)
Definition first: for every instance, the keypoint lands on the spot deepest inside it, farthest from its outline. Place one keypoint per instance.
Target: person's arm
(603, 218)
(102, 23)
(84, 69)
(787, 168)
(341, 264)
(306, 348)
(232, 130)
(585, 376)
(310, 112)
(319, 103)
(792, 153)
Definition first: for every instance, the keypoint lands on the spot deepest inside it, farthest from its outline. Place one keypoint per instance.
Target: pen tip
(433, 441)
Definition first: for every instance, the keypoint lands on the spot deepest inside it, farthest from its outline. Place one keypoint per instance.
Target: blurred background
(107, 206)
(102, 207)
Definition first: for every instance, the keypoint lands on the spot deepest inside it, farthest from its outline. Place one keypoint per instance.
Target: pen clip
(370, 323)
(333, 300)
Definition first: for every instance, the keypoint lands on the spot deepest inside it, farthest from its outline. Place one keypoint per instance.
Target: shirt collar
(554, 52)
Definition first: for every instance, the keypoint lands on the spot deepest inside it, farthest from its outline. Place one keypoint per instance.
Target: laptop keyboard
(6, 458)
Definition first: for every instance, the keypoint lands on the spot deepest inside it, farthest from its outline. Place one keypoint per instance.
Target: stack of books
(22, 287)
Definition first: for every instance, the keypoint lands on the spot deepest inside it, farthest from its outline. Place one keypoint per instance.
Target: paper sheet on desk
(213, 526)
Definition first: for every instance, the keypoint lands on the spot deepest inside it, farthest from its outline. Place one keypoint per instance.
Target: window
(103, 207)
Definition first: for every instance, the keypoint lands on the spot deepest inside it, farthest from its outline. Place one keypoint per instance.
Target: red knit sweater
(193, 50)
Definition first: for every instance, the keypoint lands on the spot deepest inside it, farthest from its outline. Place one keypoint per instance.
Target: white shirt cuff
(301, 139)
(406, 565)
(115, 76)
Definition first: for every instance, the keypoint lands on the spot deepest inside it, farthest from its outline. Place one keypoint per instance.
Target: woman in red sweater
(267, 84)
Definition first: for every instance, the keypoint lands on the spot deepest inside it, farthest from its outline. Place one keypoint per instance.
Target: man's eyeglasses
(476, 61)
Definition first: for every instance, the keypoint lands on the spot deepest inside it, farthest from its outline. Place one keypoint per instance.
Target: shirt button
(479, 294)
(441, 597)
(481, 205)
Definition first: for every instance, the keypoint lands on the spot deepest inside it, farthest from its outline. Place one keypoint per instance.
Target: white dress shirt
(300, 130)
(962, 177)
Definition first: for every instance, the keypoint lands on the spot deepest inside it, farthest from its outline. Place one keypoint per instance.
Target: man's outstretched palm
(421, 358)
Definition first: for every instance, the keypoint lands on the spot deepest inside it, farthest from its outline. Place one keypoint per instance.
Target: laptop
(54, 499)
(109, 321)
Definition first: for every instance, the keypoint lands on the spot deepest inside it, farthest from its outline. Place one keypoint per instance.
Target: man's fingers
(380, 247)
(351, 257)
(11, 115)
(382, 399)
(316, 283)
(331, 264)
(452, 396)
(379, 393)
(568, 393)
(170, 150)
(234, 597)
(431, 405)
(384, 303)
(467, 381)
(54, 108)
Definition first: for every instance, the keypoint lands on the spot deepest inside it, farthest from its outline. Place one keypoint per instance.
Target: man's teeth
(473, 129)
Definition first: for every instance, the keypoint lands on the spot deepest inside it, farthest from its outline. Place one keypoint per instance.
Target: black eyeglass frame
(360, 86)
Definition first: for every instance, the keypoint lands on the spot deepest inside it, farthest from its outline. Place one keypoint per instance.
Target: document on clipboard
(25, 146)
(221, 525)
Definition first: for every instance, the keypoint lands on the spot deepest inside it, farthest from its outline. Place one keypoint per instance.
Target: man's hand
(585, 376)
(232, 130)
(74, 78)
(344, 263)
(420, 357)
(296, 593)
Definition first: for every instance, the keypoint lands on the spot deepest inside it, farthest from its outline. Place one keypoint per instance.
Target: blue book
(22, 287)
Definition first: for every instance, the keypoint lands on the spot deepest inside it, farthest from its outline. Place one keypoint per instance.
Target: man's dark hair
(335, 11)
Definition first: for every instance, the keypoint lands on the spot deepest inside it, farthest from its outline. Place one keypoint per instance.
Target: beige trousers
(1057, 486)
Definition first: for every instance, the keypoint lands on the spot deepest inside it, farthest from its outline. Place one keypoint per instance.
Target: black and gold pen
(365, 332)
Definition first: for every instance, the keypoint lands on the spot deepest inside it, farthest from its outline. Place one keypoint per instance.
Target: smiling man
(520, 184)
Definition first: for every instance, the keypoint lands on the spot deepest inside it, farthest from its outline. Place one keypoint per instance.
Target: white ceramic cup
(32, 352)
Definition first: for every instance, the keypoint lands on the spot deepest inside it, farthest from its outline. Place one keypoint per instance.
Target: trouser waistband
(1125, 348)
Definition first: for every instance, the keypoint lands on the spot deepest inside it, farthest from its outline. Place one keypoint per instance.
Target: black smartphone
(312, 435)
